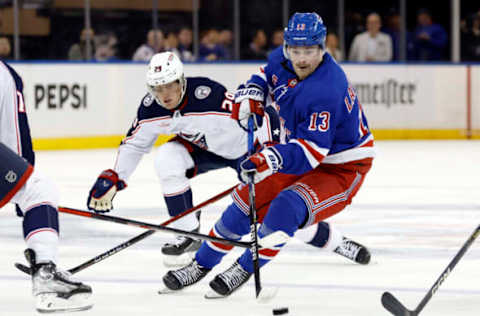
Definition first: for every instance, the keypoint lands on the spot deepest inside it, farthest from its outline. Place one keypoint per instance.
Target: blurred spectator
(78, 51)
(5, 47)
(225, 39)
(256, 48)
(105, 47)
(371, 45)
(276, 40)
(354, 24)
(331, 46)
(209, 49)
(471, 38)
(392, 28)
(155, 44)
(171, 43)
(429, 39)
(185, 44)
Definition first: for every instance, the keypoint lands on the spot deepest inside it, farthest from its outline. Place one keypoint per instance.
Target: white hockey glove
(262, 164)
(248, 100)
(103, 191)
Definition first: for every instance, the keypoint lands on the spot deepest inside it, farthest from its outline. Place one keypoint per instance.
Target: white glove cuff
(273, 158)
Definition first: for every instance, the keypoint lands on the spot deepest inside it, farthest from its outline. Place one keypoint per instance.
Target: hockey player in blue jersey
(316, 170)
(197, 110)
(36, 199)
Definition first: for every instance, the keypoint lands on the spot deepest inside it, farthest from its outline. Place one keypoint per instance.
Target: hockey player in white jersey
(197, 110)
(36, 199)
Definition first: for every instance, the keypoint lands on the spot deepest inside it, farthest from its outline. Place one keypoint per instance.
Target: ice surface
(417, 207)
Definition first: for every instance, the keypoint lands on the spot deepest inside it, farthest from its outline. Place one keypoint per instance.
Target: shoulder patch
(201, 92)
(148, 100)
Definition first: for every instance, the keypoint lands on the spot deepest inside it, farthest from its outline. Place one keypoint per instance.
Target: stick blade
(394, 306)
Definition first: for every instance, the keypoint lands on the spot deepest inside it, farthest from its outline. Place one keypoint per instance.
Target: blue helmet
(305, 29)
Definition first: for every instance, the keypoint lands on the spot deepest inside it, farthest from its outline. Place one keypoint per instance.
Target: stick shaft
(146, 234)
(253, 214)
(449, 269)
(135, 223)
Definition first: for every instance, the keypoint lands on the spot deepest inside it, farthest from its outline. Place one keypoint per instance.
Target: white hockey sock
(45, 245)
(189, 222)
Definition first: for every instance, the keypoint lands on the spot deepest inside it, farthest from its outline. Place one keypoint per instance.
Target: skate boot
(230, 280)
(353, 251)
(181, 251)
(188, 275)
(54, 290)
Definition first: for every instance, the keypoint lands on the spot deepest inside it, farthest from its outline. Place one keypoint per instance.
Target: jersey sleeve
(271, 131)
(15, 130)
(140, 137)
(8, 114)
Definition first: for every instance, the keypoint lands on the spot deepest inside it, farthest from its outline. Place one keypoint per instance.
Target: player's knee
(287, 212)
(233, 223)
(39, 190)
(172, 160)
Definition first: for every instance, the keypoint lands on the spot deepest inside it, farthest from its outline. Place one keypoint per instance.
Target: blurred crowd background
(233, 30)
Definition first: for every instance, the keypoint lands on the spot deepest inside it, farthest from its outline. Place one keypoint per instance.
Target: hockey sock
(178, 203)
(323, 235)
(232, 225)
(286, 213)
(40, 230)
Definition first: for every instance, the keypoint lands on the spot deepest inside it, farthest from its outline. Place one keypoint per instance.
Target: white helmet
(163, 69)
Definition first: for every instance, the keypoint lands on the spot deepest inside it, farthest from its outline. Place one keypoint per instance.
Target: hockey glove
(104, 190)
(261, 165)
(248, 101)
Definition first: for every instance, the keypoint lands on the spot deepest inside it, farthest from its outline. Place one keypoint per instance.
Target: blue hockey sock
(321, 236)
(232, 225)
(179, 203)
(43, 217)
(40, 230)
(286, 213)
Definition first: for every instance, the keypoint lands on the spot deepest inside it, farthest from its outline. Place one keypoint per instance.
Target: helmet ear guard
(304, 29)
(163, 69)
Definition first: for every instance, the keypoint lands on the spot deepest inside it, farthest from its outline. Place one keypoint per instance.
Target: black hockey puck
(280, 311)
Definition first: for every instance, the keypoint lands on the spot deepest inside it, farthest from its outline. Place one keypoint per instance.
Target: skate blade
(51, 303)
(178, 261)
(266, 295)
(166, 290)
(212, 295)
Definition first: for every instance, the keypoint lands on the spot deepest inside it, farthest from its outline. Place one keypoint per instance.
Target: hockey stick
(277, 238)
(253, 214)
(135, 223)
(394, 306)
(135, 239)
(144, 235)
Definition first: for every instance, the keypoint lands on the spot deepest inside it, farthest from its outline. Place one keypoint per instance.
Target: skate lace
(234, 276)
(189, 274)
(348, 248)
(179, 240)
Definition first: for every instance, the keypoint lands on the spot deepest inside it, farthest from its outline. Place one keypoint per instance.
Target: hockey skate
(181, 251)
(188, 275)
(228, 281)
(353, 251)
(54, 290)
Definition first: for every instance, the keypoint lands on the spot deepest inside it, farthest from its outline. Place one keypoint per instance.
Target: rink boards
(91, 105)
